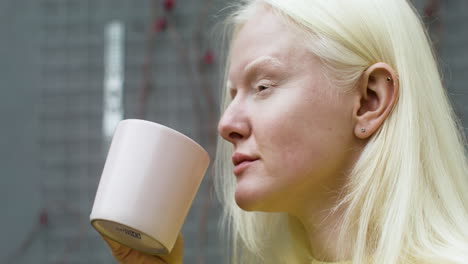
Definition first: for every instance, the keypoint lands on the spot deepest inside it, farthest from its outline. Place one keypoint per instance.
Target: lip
(242, 166)
(241, 162)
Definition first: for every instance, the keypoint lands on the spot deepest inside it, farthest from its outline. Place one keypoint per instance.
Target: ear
(378, 93)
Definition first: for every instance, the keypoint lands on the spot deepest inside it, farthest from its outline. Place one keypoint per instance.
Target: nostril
(235, 135)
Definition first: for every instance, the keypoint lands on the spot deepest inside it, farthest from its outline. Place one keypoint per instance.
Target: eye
(261, 88)
(264, 88)
(233, 93)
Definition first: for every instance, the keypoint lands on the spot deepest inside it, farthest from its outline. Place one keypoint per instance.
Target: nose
(234, 125)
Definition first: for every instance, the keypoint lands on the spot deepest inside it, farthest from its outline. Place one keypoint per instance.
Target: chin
(246, 204)
(251, 199)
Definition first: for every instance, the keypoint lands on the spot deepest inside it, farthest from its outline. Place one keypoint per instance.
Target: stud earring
(389, 79)
(363, 130)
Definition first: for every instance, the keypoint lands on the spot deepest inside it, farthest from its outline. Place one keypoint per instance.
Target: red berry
(169, 5)
(43, 218)
(160, 25)
(431, 9)
(208, 58)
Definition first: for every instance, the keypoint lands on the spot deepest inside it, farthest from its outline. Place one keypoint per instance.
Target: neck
(320, 224)
(321, 228)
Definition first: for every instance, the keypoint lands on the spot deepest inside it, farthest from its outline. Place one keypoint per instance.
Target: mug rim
(133, 120)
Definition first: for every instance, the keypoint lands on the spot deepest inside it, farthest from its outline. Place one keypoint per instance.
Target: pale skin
(305, 132)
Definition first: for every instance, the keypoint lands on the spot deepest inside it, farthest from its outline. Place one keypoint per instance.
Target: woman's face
(286, 116)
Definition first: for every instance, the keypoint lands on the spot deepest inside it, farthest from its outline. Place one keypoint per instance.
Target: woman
(343, 143)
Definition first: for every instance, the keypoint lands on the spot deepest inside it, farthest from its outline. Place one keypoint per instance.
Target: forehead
(264, 34)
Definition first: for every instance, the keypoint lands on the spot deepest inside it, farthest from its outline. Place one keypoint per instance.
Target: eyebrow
(271, 61)
(263, 60)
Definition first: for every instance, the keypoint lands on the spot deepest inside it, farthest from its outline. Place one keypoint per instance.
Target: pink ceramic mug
(149, 181)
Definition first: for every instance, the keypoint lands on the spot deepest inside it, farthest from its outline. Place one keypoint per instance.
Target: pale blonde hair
(407, 197)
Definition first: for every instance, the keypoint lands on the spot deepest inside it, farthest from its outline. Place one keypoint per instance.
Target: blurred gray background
(70, 69)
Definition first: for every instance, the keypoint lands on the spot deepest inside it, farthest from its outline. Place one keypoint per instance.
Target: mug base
(129, 237)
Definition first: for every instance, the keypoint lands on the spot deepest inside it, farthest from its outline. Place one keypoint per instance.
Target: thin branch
(147, 77)
(184, 58)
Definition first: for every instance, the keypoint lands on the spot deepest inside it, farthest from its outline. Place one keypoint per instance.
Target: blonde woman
(339, 142)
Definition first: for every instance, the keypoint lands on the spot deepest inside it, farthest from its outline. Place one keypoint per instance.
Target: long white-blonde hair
(407, 196)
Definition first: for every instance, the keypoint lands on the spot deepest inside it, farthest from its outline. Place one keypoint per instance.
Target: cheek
(301, 143)
(304, 135)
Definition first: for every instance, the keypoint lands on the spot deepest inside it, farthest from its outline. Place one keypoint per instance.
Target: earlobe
(378, 94)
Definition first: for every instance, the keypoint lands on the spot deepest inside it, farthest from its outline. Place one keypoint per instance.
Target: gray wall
(51, 146)
(453, 49)
(20, 197)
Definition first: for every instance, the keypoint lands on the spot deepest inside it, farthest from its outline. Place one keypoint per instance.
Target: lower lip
(242, 166)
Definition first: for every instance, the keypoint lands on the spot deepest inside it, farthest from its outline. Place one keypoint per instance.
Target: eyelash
(262, 88)
(259, 88)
